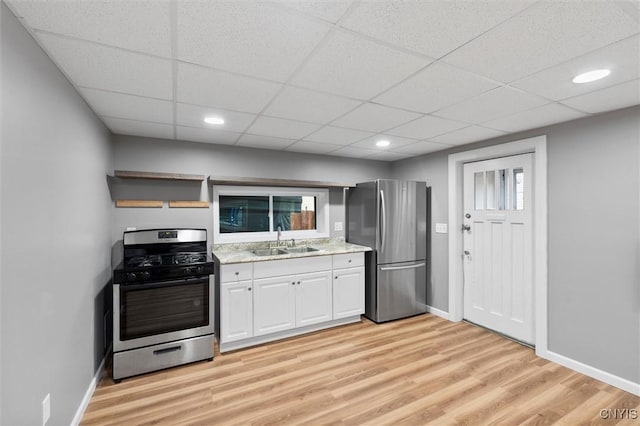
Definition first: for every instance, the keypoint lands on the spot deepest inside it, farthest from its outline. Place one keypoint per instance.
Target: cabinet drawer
(348, 260)
(236, 272)
(274, 268)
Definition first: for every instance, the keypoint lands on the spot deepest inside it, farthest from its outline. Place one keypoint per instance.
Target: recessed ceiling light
(214, 120)
(588, 77)
(382, 143)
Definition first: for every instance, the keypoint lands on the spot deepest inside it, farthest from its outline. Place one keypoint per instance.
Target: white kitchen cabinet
(313, 298)
(292, 301)
(264, 301)
(236, 311)
(348, 292)
(274, 304)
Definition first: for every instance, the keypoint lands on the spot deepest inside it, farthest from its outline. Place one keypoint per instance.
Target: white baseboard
(603, 376)
(89, 393)
(438, 312)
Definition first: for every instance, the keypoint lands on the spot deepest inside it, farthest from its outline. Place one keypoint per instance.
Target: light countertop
(242, 253)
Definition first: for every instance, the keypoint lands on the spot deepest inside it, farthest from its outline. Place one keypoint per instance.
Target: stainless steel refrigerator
(391, 217)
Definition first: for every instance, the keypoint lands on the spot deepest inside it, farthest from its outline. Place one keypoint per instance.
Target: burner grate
(142, 261)
(187, 258)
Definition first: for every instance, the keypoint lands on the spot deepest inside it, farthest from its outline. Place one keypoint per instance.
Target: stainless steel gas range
(162, 301)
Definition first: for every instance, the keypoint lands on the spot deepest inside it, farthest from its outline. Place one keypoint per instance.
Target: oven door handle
(162, 284)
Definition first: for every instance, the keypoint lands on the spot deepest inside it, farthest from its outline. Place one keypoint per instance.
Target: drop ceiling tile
(265, 142)
(490, 105)
(193, 116)
(547, 34)
(352, 66)
(99, 67)
(430, 27)
(337, 135)
(119, 105)
(313, 147)
(375, 118)
(205, 86)
(467, 135)
(306, 105)
(622, 58)
(422, 147)
(352, 152)
(537, 117)
(394, 142)
(214, 136)
(435, 87)
(426, 127)
(138, 128)
(330, 11)
(251, 38)
(279, 128)
(388, 156)
(142, 26)
(632, 8)
(620, 96)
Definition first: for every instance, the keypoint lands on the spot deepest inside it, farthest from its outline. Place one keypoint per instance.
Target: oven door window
(157, 308)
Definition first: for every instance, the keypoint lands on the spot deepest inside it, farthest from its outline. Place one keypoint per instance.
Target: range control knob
(131, 276)
(200, 269)
(146, 275)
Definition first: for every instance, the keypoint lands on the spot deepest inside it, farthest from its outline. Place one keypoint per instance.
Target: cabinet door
(236, 311)
(313, 298)
(348, 292)
(274, 304)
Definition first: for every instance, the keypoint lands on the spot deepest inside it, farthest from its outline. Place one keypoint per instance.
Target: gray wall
(56, 220)
(145, 154)
(594, 254)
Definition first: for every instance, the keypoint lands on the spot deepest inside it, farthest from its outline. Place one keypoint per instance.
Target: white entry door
(498, 245)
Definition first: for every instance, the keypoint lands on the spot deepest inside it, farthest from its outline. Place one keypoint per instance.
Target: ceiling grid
(336, 76)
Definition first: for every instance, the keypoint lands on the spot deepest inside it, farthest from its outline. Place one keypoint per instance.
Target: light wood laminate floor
(421, 370)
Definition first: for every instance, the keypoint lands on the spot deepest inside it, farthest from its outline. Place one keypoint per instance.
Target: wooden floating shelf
(139, 203)
(189, 204)
(251, 181)
(126, 174)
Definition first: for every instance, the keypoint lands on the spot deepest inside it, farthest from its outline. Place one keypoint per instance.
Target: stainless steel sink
(268, 252)
(301, 249)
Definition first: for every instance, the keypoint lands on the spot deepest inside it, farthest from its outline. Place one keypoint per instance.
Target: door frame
(538, 146)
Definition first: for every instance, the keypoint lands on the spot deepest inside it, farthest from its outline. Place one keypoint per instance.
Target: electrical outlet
(441, 228)
(46, 409)
(337, 226)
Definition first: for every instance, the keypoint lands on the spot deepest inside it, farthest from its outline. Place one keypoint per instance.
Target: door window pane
(294, 213)
(502, 189)
(491, 190)
(518, 189)
(479, 191)
(244, 214)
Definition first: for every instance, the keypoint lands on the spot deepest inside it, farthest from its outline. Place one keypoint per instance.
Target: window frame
(322, 213)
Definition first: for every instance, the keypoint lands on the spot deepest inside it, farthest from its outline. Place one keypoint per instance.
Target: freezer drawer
(402, 289)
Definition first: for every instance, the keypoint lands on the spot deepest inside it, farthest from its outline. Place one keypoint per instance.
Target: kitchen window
(245, 214)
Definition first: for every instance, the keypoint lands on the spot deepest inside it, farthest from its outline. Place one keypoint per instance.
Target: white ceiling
(334, 76)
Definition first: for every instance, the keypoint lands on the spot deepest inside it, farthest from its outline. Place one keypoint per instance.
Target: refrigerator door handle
(394, 268)
(383, 218)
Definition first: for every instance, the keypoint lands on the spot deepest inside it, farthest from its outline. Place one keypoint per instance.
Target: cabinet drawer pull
(336, 277)
(293, 283)
(249, 289)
